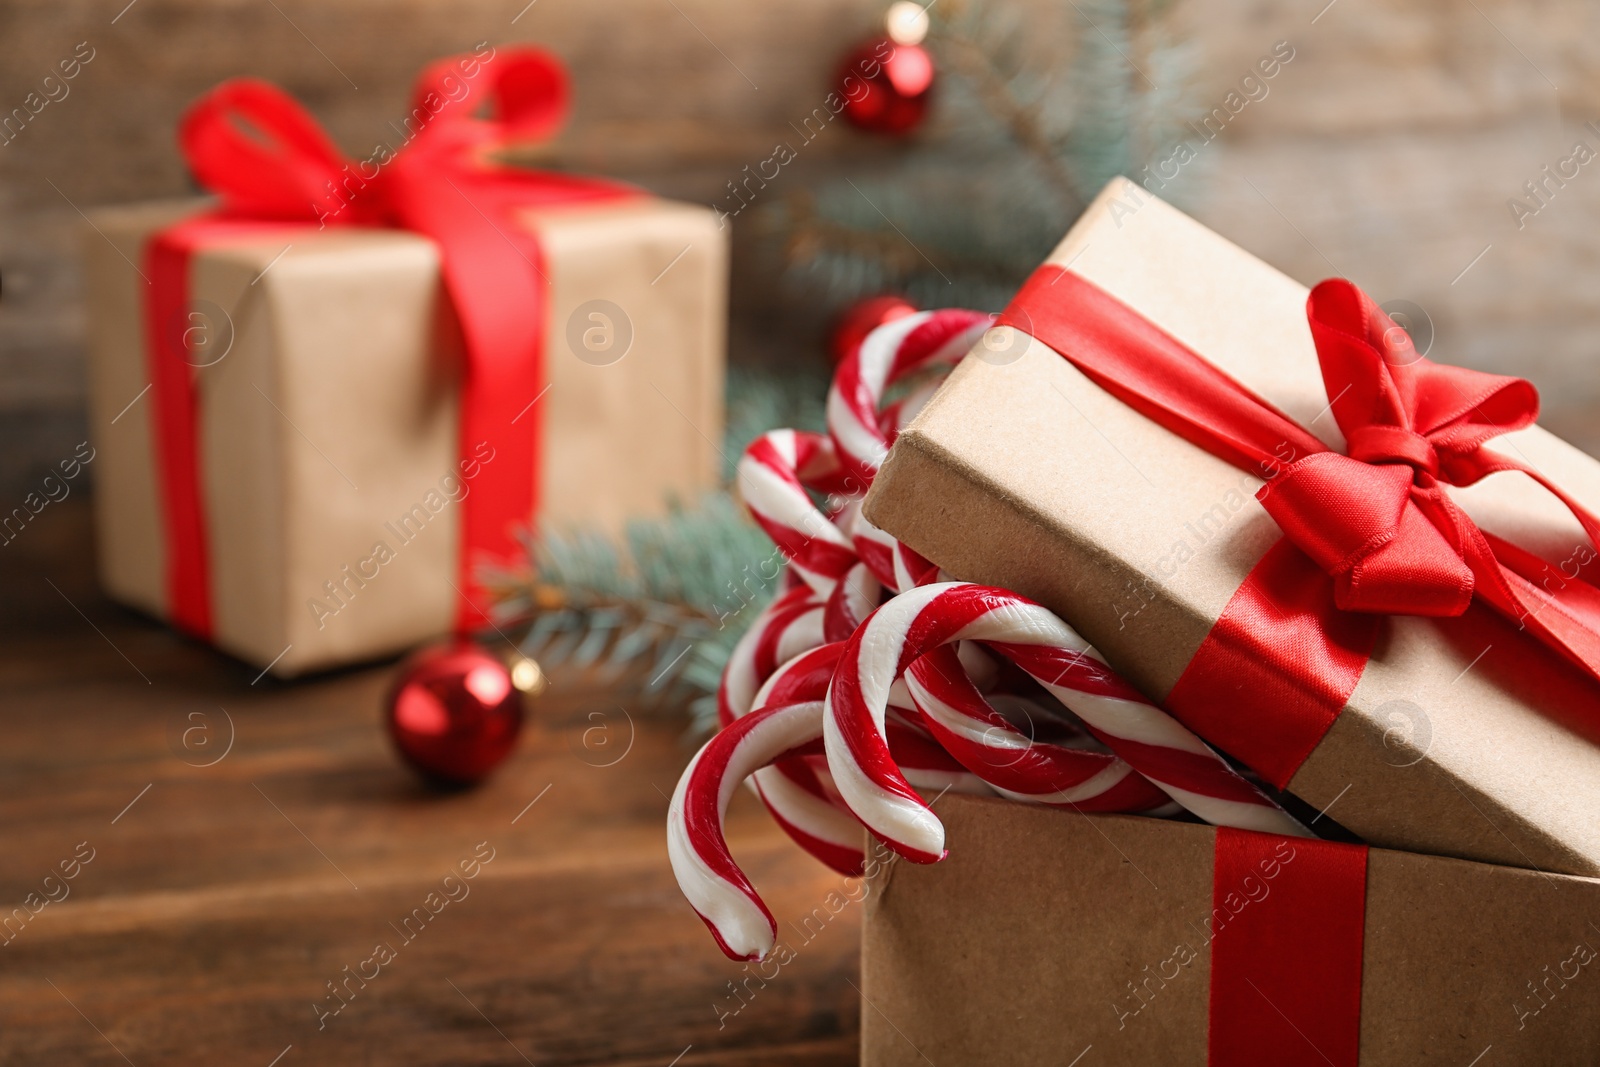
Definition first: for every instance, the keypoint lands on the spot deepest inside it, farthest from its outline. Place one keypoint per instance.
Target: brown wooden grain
(1388, 151)
(220, 903)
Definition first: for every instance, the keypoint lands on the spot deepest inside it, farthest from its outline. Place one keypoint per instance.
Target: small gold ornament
(528, 676)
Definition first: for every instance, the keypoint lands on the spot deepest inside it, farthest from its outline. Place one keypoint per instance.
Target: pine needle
(665, 600)
(1037, 110)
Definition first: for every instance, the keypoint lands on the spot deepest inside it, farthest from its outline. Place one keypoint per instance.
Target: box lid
(1462, 738)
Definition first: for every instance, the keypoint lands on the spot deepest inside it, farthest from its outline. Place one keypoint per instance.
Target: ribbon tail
(169, 321)
(1561, 609)
(494, 276)
(1156, 374)
(176, 431)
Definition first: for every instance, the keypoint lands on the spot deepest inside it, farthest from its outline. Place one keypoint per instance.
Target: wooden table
(230, 885)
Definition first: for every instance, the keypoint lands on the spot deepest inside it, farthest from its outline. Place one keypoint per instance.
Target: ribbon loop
(1390, 547)
(532, 95)
(1394, 405)
(521, 95)
(254, 146)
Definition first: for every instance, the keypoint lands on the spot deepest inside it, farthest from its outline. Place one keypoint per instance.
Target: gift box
(1320, 634)
(314, 433)
(1124, 940)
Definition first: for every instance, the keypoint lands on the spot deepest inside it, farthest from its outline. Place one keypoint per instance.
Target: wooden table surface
(230, 885)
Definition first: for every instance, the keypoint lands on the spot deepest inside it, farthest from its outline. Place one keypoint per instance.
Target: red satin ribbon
(1288, 927)
(273, 168)
(1366, 535)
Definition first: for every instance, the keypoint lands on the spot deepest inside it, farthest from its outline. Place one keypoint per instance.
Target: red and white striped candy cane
(890, 353)
(774, 744)
(778, 467)
(707, 874)
(1020, 765)
(811, 814)
(925, 763)
(862, 428)
(822, 549)
(921, 619)
(782, 630)
(897, 566)
(799, 794)
(855, 597)
(713, 883)
(971, 744)
(772, 476)
(799, 791)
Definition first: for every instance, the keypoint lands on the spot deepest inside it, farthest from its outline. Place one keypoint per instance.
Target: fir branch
(665, 602)
(666, 599)
(955, 37)
(1032, 123)
(842, 245)
(815, 235)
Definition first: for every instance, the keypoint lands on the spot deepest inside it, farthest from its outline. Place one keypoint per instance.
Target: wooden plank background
(1387, 150)
(221, 899)
(217, 906)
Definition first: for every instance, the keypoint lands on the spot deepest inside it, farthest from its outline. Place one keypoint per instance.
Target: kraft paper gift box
(1463, 737)
(1049, 937)
(330, 423)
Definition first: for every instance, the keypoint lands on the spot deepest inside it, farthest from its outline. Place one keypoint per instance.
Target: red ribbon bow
(267, 158)
(272, 166)
(1367, 534)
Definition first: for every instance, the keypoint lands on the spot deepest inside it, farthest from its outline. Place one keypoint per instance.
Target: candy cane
(778, 467)
(967, 735)
(1019, 765)
(862, 432)
(890, 353)
(713, 883)
(801, 796)
(917, 621)
(806, 678)
(895, 565)
(972, 750)
(813, 816)
(852, 600)
(799, 791)
(710, 879)
(771, 744)
(769, 478)
(781, 630)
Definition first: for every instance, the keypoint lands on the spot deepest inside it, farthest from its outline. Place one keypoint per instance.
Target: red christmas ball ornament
(861, 318)
(887, 82)
(454, 711)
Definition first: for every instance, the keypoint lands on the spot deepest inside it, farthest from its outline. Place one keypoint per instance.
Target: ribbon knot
(1393, 444)
(1391, 546)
